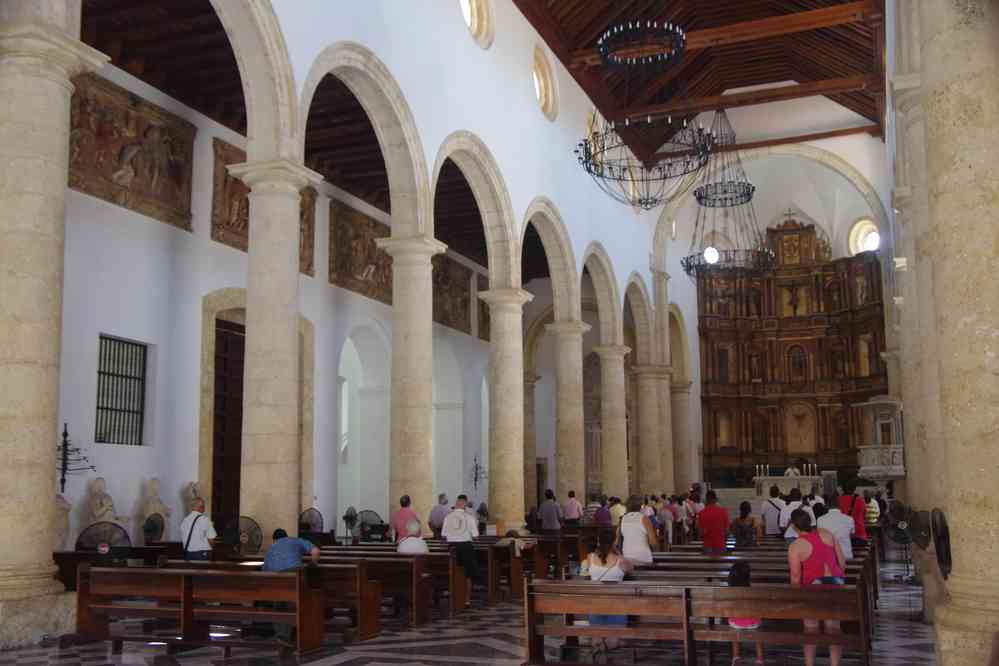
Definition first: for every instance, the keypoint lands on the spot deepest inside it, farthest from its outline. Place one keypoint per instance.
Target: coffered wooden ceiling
(179, 47)
(829, 47)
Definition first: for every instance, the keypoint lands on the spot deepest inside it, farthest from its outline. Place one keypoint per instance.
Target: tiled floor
(495, 637)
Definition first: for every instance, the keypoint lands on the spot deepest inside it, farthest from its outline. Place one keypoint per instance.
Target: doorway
(227, 435)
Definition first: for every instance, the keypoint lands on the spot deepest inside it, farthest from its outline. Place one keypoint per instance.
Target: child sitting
(738, 576)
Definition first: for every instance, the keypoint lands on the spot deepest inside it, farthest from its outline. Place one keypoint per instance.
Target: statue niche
(797, 365)
(799, 429)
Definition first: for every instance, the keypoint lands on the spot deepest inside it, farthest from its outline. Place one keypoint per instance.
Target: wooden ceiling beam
(715, 102)
(873, 130)
(746, 31)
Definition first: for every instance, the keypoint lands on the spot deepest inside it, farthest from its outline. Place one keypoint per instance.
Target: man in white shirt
(793, 502)
(197, 532)
(459, 530)
(840, 525)
(413, 542)
(771, 510)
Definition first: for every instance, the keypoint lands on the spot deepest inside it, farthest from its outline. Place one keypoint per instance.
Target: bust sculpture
(61, 523)
(192, 492)
(101, 505)
(153, 503)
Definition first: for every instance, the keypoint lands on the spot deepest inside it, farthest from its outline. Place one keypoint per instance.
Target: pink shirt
(573, 509)
(400, 520)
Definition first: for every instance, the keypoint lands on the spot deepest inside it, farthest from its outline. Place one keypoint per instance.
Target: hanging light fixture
(727, 235)
(646, 44)
(607, 158)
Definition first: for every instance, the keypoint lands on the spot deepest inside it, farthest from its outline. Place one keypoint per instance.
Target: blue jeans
(605, 620)
(198, 555)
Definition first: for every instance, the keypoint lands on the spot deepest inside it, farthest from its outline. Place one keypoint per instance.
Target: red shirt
(713, 523)
(858, 513)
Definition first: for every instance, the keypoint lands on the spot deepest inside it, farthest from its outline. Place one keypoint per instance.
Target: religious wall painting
(592, 381)
(130, 152)
(795, 298)
(451, 286)
(356, 262)
(799, 428)
(791, 249)
(231, 208)
(482, 283)
(834, 300)
(797, 364)
(761, 432)
(865, 346)
(724, 436)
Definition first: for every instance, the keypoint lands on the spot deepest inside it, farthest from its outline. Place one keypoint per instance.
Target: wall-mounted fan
(373, 528)
(153, 528)
(106, 533)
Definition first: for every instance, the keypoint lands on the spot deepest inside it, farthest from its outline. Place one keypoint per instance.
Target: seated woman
(815, 558)
(747, 531)
(608, 566)
(636, 533)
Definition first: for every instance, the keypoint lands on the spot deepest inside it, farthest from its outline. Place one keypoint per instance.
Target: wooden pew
(345, 586)
(406, 577)
(68, 561)
(195, 598)
(677, 612)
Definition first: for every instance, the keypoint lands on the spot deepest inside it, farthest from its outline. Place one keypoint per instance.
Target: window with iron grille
(121, 391)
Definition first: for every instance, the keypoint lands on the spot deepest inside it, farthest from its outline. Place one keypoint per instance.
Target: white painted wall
(136, 278)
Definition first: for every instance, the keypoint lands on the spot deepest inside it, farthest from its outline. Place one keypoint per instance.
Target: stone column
(570, 455)
(506, 404)
(613, 420)
(663, 357)
(530, 442)
(39, 54)
(649, 463)
(270, 473)
(411, 464)
(960, 59)
(682, 449)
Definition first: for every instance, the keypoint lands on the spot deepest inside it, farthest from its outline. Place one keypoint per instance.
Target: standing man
(573, 511)
(402, 517)
(771, 510)
(853, 506)
(551, 514)
(460, 529)
(438, 514)
(713, 523)
(617, 510)
(839, 526)
(197, 531)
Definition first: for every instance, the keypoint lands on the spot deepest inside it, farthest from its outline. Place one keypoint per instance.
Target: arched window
(864, 236)
(478, 15)
(544, 84)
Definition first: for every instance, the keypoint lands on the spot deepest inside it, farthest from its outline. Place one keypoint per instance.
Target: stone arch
(272, 119)
(482, 172)
(663, 231)
(229, 304)
(546, 219)
(382, 99)
(636, 296)
(601, 271)
(679, 346)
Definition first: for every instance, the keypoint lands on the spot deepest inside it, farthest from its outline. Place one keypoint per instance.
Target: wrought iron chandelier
(727, 235)
(642, 43)
(608, 159)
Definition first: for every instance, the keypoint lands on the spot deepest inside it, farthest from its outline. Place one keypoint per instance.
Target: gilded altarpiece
(129, 152)
(787, 356)
(231, 208)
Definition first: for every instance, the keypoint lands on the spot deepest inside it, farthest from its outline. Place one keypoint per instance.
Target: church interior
(294, 260)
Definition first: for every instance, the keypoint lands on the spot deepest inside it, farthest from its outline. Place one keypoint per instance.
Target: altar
(806, 484)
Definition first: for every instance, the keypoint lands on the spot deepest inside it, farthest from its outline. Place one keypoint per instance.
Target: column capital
(681, 387)
(653, 371)
(45, 47)
(501, 299)
(275, 175)
(661, 274)
(413, 246)
(612, 352)
(566, 328)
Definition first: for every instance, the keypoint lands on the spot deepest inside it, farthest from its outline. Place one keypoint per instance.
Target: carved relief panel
(130, 152)
(452, 301)
(231, 208)
(356, 263)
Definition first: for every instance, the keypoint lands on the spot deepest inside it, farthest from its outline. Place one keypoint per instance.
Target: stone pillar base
(967, 624)
(25, 621)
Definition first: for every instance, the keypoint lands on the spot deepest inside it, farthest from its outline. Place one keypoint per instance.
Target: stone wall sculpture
(231, 208)
(452, 283)
(100, 504)
(130, 152)
(356, 263)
